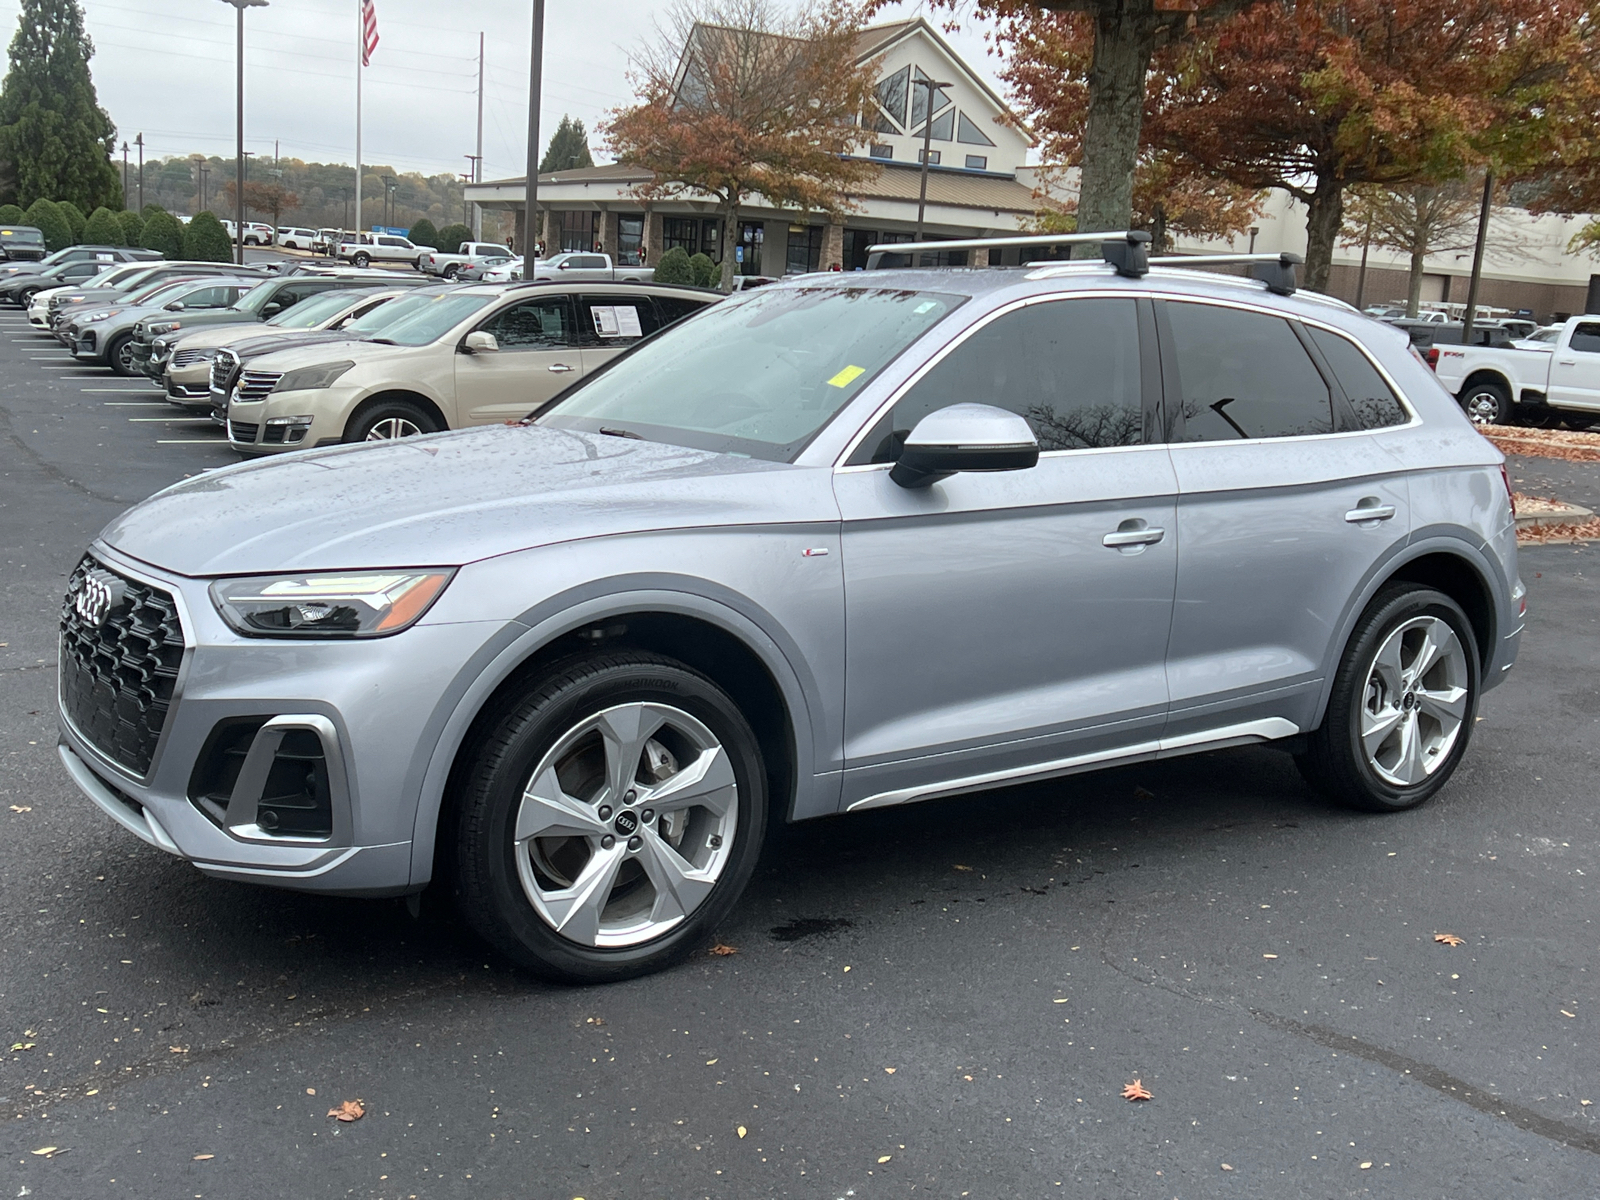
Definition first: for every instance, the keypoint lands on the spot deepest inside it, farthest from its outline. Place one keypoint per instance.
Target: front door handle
(1567, 363)
(1369, 510)
(1133, 532)
(560, 368)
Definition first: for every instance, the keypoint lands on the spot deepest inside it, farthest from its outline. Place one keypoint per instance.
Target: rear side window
(676, 308)
(616, 320)
(1586, 338)
(1070, 368)
(1245, 375)
(1375, 404)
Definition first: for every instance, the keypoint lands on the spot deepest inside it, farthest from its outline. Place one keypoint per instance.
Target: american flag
(369, 31)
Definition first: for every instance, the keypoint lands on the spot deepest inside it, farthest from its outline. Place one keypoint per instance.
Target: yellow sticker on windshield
(847, 376)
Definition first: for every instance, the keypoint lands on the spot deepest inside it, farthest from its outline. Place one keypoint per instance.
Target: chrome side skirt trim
(1266, 729)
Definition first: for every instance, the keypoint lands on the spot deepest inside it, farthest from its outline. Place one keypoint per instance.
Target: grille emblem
(98, 593)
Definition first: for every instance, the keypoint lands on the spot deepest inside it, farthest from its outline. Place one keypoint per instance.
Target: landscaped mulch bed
(1545, 443)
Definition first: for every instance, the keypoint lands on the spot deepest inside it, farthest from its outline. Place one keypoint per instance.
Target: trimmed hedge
(102, 229)
(451, 237)
(75, 219)
(423, 233)
(46, 216)
(10, 214)
(206, 240)
(706, 273)
(675, 267)
(163, 233)
(132, 227)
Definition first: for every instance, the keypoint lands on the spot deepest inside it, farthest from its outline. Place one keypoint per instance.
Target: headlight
(104, 314)
(165, 326)
(307, 378)
(362, 604)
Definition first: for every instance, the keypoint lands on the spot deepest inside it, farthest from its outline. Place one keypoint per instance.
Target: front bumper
(374, 705)
(276, 425)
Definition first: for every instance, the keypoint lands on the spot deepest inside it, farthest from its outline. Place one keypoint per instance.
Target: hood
(269, 341)
(212, 316)
(310, 354)
(211, 338)
(453, 498)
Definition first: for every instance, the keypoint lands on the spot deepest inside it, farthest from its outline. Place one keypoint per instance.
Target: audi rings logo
(97, 595)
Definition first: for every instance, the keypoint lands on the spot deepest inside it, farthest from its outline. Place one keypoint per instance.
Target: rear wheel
(362, 260)
(1402, 706)
(1486, 404)
(389, 419)
(611, 818)
(119, 355)
(452, 271)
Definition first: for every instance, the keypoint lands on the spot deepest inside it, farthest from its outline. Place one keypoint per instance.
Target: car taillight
(1511, 496)
(1431, 357)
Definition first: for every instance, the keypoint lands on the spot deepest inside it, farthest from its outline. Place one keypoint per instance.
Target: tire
(119, 355)
(451, 272)
(581, 729)
(362, 260)
(390, 419)
(1579, 421)
(1407, 718)
(418, 263)
(1486, 404)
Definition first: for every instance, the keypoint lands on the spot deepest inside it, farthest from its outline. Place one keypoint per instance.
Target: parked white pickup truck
(447, 265)
(364, 249)
(1496, 385)
(595, 267)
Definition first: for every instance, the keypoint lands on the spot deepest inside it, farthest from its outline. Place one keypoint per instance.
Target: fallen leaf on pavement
(46, 1151)
(722, 951)
(1059, 1000)
(204, 1157)
(711, 1062)
(743, 1131)
(1448, 939)
(23, 1045)
(883, 1158)
(1269, 956)
(1136, 1091)
(961, 867)
(595, 1021)
(20, 808)
(1565, 1013)
(350, 1110)
(1366, 1166)
(889, 1070)
(1226, 1167)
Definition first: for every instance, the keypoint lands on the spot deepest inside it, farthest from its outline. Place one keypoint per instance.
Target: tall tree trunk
(1324, 216)
(1419, 257)
(1124, 39)
(1158, 229)
(730, 240)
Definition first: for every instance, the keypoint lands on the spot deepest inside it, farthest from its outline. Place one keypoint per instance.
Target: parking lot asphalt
(943, 1000)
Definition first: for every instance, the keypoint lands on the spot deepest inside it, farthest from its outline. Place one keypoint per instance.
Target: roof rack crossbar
(1126, 250)
(1274, 270)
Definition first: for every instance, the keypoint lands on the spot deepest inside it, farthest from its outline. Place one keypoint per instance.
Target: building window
(682, 233)
(977, 162)
(805, 249)
(577, 231)
(711, 240)
(747, 251)
(630, 237)
(933, 157)
(882, 151)
(855, 246)
(969, 133)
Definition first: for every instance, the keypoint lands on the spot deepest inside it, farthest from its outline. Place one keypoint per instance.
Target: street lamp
(927, 143)
(238, 195)
(139, 142)
(526, 236)
(125, 196)
(389, 185)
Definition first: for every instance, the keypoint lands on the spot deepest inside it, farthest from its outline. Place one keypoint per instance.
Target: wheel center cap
(627, 823)
(1409, 702)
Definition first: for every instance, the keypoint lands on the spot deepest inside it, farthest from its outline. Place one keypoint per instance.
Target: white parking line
(191, 441)
(134, 403)
(173, 420)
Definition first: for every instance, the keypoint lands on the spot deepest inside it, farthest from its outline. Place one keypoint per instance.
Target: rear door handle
(1369, 510)
(1133, 532)
(560, 368)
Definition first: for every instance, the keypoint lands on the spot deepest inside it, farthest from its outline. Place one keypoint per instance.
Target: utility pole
(125, 194)
(205, 171)
(1477, 258)
(927, 143)
(239, 164)
(139, 142)
(525, 235)
(477, 159)
(466, 178)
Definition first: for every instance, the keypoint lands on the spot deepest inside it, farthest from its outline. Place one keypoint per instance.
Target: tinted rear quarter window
(1244, 375)
(1374, 402)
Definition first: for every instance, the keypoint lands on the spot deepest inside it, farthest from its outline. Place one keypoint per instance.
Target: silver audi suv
(841, 542)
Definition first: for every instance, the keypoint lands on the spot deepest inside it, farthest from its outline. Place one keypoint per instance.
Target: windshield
(388, 313)
(160, 293)
(31, 236)
(758, 375)
(429, 320)
(314, 310)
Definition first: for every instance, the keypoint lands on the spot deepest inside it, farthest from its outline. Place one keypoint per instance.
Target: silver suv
(841, 542)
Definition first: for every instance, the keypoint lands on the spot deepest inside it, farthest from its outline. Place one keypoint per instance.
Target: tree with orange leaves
(740, 99)
(1313, 96)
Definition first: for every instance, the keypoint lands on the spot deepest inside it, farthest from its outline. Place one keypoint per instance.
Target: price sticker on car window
(847, 376)
(617, 320)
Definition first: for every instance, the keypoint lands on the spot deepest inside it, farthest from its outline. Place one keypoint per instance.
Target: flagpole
(361, 34)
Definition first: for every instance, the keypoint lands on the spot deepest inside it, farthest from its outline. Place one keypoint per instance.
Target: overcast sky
(166, 68)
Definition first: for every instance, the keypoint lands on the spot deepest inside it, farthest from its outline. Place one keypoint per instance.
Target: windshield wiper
(622, 433)
(382, 341)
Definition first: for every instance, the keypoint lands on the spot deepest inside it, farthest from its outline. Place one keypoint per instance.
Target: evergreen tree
(46, 217)
(675, 266)
(451, 237)
(55, 139)
(102, 229)
(568, 149)
(10, 214)
(132, 227)
(205, 239)
(75, 219)
(423, 233)
(162, 232)
(706, 272)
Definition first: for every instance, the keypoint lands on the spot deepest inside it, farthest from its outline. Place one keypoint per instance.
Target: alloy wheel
(125, 364)
(1483, 408)
(393, 427)
(625, 825)
(1415, 700)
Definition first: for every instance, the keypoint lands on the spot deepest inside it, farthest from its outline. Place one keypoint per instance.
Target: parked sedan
(104, 336)
(478, 269)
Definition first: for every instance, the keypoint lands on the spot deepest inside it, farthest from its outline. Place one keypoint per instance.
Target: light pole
(238, 194)
(205, 170)
(139, 142)
(927, 143)
(525, 236)
(125, 196)
(389, 184)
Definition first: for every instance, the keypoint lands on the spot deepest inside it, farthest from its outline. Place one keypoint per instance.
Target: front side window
(1244, 375)
(1070, 368)
(756, 375)
(1586, 338)
(1374, 402)
(542, 324)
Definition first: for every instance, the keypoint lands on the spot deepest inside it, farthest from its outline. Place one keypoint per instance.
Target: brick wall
(1385, 285)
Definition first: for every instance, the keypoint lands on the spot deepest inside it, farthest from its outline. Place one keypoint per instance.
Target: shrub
(10, 214)
(163, 233)
(75, 219)
(132, 227)
(102, 229)
(706, 272)
(151, 210)
(675, 267)
(451, 237)
(47, 217)
(423, 233)
(205, 239)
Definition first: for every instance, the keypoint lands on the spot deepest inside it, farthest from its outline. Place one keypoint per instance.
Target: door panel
(1575, 368)
(538, 356)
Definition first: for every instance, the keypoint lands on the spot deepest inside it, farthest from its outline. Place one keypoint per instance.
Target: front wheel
(119, 355)
(1487, 404)
(1402, 706)
(389, 419)
(362, 260)
(610, 820)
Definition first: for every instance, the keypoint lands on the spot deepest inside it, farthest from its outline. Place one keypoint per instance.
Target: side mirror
(479, 342)
(563, 266)
(964, 437)
(272, 310)
(175, 306)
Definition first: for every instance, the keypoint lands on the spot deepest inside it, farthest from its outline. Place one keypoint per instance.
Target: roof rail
(1125, 249)
(1274, 270)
